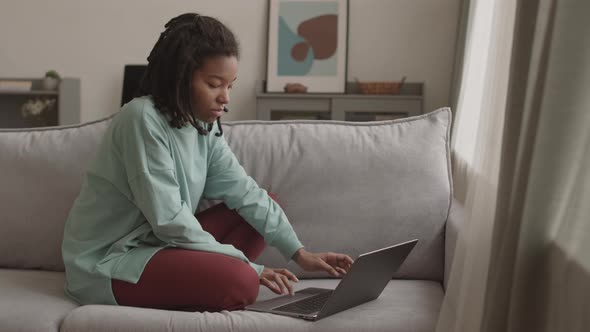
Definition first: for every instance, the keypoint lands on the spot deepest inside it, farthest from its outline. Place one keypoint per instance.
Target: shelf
(409, 90)
(350, 106)
(30, 92)
(279, 95)
(66, 111)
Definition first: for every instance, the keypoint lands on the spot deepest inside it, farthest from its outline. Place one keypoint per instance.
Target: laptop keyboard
(306, 306)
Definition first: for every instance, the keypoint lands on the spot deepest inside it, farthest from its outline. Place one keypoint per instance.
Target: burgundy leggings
(179, 279)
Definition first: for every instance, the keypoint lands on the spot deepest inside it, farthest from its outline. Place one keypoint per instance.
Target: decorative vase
(50, 83)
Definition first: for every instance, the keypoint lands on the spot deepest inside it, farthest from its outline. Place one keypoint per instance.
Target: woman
(132, 238)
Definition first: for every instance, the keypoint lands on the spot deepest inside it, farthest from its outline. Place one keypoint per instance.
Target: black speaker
(131, 80)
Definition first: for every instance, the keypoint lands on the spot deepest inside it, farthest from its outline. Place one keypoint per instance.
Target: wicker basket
(380, 88)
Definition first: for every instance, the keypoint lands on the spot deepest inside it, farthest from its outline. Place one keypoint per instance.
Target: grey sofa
(346, 187)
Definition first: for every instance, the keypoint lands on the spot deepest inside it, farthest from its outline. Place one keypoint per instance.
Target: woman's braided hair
(187, 41)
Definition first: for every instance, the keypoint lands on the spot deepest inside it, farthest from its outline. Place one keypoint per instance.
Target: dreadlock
(187, 41)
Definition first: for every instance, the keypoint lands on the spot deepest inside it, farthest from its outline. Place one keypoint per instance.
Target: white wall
(93, 40)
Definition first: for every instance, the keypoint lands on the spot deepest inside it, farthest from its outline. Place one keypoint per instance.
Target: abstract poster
(307, 45)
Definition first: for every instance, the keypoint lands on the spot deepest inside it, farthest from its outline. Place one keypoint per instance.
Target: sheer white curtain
(522, 170)
(476, 144)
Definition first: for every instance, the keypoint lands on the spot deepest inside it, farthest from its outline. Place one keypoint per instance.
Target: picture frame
(308, 45)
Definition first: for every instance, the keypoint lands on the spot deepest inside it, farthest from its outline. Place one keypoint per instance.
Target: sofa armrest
(454, 224)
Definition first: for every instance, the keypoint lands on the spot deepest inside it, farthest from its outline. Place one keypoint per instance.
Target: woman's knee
(243, 288)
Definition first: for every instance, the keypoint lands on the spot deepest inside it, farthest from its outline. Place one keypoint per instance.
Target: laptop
(364, 282)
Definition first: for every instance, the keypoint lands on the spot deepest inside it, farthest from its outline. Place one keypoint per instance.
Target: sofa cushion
(32, 300)
(42, 172)
(354, 187)
(404, 305)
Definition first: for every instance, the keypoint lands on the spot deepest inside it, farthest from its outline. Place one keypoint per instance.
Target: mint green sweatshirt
(140, 195)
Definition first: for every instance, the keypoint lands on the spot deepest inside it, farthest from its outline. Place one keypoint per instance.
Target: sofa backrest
(345, 186)
(41, 172)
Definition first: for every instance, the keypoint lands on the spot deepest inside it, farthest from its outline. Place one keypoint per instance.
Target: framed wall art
(307, 44)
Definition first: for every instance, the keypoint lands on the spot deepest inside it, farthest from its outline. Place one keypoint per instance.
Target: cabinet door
(375, 108)
(272, 108)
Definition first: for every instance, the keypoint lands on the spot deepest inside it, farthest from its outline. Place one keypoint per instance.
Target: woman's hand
(333, 263)
(277, 280)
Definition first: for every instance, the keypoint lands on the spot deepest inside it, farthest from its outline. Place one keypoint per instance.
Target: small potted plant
(51, 80)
